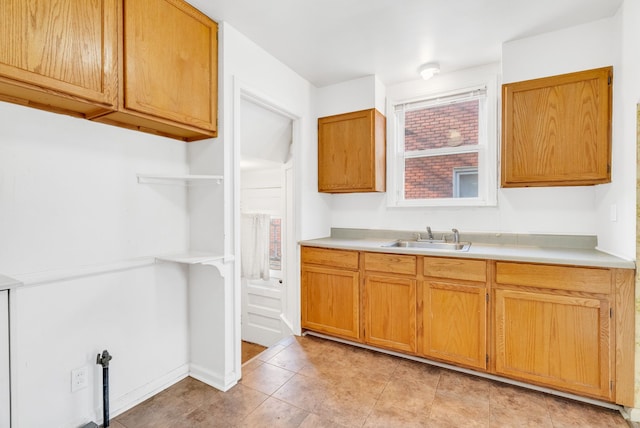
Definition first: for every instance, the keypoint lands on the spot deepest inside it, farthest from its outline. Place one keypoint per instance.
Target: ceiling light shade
(427, 71)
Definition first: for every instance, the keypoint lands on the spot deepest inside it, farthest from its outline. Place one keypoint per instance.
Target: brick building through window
(430, 172)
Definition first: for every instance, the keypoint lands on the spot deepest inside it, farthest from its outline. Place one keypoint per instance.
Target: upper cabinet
(169, 73)
(556, 131)
(59, 55)
(148, 65)
(352, 153)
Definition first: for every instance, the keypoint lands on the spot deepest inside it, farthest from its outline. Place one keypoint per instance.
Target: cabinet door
(4, 360)
(390, 312)
(557, 130)
(330, 301)
(454, 323)
(170, 62)
(351, 152)
(66, 47)
(561, 341)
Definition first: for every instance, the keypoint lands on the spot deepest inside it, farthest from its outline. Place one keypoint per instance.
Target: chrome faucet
(456, 235)
(429, 233)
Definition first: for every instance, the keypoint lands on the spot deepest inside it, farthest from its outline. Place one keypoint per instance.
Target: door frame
(291, 297)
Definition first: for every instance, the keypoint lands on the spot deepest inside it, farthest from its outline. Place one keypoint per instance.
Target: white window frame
(457, 172)
(487, 150)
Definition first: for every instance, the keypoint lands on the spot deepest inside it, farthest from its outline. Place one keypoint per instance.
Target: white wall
(564, 210)
(69, 199)
(593, 45)
(617, 236)
(244, 64)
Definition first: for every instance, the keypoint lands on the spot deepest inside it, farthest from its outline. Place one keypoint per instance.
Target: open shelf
(179, 179)
(198, 258)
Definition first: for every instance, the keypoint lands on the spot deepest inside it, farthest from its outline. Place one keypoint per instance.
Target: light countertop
(510, 251)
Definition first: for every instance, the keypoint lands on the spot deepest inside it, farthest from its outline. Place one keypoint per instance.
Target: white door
(262, 299)
(5, 403)
(266, 141)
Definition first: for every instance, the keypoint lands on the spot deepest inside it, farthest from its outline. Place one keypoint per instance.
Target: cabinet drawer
(392, 263)
(336, 258)
(591, 280)
(469, 270)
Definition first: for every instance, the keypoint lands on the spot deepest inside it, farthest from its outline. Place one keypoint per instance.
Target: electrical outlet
(79, 378)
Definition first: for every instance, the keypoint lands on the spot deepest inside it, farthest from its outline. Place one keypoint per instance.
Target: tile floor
(311, 382)
(250, 350)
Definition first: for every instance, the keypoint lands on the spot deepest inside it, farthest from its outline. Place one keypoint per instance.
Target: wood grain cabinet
(60, 55)
(389, 301)
(453, 319)
(569, 328)
(148, 65)
(330, 291)
(352, 152)
(169, 70)
(557, 130)
(555, 326)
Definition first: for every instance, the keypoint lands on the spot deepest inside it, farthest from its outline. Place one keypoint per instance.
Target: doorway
(266, 138)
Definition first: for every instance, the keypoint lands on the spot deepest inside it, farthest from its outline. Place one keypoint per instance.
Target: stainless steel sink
(430, 245)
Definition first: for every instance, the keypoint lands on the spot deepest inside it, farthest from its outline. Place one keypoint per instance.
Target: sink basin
(430, 245)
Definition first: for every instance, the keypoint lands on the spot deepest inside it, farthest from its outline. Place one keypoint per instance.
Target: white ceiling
(331, 41)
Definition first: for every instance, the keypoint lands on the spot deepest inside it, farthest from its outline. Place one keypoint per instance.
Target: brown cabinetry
(569, 328)
(555, 326)
(351, 152)
(453, 319)
(389, 304)
(169, 72)
(557, 130)
(331, 292)
(149, 65)
(59, 55)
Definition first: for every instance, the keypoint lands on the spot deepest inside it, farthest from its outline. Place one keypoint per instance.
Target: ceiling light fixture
(428, 70)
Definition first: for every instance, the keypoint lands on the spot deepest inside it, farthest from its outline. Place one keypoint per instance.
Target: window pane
(465, 183)
(275, 244)
(449, 125)
(433, 176)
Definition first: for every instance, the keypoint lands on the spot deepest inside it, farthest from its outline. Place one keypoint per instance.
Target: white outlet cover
(79, 378)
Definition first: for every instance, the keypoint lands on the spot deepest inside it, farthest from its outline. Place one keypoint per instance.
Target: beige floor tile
(414, 370)
(306, 393)
(515, 406)
(229, 409)
(449, 411)
(410, 395)
(275, 413)
(267, 378)
(314, 421)
(455, 385)
(312, 382)
(569, 413)
(392, 417)
(251, 366)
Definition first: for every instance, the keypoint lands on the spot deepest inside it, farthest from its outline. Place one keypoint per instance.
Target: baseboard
(212, 379)
(631, 414)
(137, 396)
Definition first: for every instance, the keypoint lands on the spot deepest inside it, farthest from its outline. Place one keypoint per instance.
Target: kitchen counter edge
(517, 253)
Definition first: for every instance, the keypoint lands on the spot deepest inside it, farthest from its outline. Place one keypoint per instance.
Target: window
(275, 244)
(444, 151)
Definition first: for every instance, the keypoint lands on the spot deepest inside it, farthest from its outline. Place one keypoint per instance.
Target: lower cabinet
(559, 335)
(558, 341)
(453, 298)
(564, 327)
(389, 301)
(330, 292)
(5, 404)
